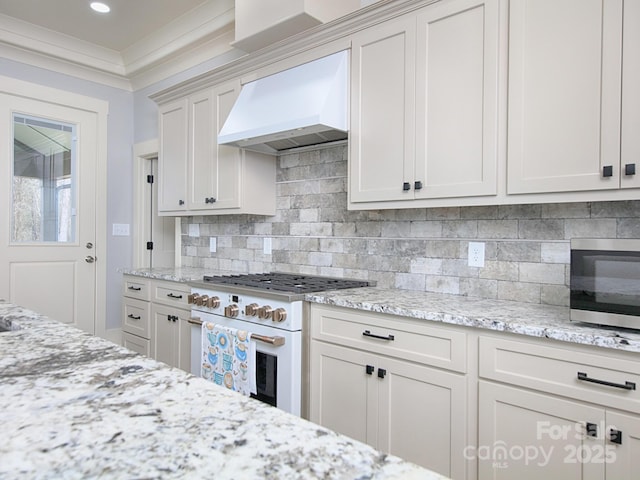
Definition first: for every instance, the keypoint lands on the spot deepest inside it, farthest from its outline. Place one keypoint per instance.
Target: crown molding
(216, 51)
(202, 24)
(312, 43)
(65, 67)
(30, 37)
(188, 41)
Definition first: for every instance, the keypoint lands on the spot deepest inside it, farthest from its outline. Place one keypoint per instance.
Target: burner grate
(285, 282)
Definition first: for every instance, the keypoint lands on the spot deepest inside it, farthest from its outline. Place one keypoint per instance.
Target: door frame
(21, 88)
(142, 152)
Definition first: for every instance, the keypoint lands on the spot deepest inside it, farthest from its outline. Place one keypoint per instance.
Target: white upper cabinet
(565, 64)
(201, 165)
(424, 105)
(199, 177)
(382, 111)
(630, 148)
(172, 177)
(457, 99)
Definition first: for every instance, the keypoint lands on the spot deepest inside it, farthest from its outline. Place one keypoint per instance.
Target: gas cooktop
(285, 282)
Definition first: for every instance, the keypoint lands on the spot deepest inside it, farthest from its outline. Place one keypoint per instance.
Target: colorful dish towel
(229, 357)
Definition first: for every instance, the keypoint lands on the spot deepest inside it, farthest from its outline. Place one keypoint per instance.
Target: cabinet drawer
(136, 287)
(136, 317)
(135, 343)
(557, 370)
(392, 336)
(171, 293)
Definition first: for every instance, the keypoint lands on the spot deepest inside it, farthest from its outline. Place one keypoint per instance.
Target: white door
(622, 446)
(383, 112)
(564, 95)
(174, 140)
(47, 208)
(342, 396)
(526, 435)
(422, 415)
(456, 99)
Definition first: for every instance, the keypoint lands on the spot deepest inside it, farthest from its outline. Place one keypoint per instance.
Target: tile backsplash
(526, 246)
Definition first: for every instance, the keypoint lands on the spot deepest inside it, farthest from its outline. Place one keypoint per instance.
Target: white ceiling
(138, 43)
(128, 22)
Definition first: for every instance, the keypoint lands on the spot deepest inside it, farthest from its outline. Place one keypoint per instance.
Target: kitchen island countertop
(73, 405)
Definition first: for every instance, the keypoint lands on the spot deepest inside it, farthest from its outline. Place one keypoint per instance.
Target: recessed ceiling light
(100, 7)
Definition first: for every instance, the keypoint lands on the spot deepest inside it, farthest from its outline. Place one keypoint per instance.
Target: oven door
(278, 368)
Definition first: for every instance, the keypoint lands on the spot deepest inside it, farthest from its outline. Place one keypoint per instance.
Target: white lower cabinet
(475, 404)
(401, 407)
(137, 344)
(625, 429)
(548, 412)
(171, 336)
(136, 314)
(527, 435)
(155, 320)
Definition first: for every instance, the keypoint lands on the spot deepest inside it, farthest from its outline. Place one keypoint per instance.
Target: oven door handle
(275, 341)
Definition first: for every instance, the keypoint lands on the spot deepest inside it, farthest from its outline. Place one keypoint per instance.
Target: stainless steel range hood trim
(307, 100)
(283, 130)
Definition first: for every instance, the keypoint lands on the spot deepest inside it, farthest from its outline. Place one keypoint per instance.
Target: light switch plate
(266, 246)
(213, 244)
(194, 230)
(120, 230)
(476, 254)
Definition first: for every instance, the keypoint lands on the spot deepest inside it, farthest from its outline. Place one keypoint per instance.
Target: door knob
(89, 245)
(89, 259)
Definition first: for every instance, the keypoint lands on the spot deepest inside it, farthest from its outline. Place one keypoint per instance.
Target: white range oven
(270, 306)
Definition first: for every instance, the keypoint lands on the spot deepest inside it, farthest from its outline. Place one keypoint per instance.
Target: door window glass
(44, 184)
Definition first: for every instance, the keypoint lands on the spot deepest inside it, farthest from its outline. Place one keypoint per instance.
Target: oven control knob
(191, 299)
(213, 302)
(279, 315)
(231, 310)
(202, 300)
(265, 311)
(251, 310)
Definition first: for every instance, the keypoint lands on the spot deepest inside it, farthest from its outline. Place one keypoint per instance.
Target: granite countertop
(500, 315)
(171, 274)
(76, 406)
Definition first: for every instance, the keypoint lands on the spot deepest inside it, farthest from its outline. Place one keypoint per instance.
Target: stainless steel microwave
(605, 282)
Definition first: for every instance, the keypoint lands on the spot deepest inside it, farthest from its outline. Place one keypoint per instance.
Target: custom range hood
(305, 105)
